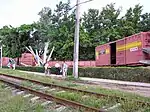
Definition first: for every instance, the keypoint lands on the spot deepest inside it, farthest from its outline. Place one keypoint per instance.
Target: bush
(126, 74)
(136, 74)
(32, 69)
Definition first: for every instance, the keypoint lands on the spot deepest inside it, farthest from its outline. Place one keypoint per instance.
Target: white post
(37, 56)
(50, 54)
(76, 42)
(45, 52)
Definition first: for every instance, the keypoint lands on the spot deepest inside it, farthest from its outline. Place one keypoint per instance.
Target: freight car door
(113, 53)
(120, 53)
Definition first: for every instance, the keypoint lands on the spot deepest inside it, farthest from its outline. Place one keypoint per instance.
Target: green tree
(15, 40)
(89, 34)
(130, 23)
(58, 28)
(110, 18)
(100, 27)
(145, 22)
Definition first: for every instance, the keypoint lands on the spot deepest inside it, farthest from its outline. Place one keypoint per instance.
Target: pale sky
(17, 12)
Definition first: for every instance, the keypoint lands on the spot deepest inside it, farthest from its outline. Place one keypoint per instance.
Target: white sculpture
(37, 57)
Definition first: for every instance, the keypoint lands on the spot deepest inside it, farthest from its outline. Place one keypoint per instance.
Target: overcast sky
(17, 12)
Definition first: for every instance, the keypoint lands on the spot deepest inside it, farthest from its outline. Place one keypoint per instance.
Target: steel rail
(53, 98)
(77, 90)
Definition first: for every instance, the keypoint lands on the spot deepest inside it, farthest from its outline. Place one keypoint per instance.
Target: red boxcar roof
(121, 39)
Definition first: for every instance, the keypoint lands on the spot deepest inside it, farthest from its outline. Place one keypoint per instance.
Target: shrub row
(137, 74)
(124, 74)
(31, 69)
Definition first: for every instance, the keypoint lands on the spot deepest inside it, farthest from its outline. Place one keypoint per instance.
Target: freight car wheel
(145, 65)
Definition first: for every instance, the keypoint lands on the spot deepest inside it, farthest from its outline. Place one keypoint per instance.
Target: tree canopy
(57, 27)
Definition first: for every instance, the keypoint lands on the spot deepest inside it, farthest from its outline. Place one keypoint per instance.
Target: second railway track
(71, 89)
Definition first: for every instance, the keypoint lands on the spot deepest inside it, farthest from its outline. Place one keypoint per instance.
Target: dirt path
(11, 79)
(143, 91)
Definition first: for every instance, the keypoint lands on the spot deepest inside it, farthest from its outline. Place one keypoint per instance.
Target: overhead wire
(81, 3)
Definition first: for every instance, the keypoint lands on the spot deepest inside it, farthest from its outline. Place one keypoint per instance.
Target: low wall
(70, 63)
(5, 61)
(28, 59)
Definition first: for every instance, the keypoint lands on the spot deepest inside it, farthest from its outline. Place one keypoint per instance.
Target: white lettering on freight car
(133, 49)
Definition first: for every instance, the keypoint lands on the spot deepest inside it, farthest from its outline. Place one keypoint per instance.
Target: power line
(85, 2)
(81, 3)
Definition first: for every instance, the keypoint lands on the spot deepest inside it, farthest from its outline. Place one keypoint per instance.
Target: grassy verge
(71, 83)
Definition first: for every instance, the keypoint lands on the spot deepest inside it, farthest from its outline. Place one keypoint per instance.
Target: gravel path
(143, 91)
(11, 79)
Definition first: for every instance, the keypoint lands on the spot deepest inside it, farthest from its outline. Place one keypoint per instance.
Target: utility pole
(76, 42)
(1, 57)
(69, 1)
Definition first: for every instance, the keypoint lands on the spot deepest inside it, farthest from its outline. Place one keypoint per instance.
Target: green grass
(9, 103)
(78, 97)
(126, 106)
(127, 95)
(89, 100)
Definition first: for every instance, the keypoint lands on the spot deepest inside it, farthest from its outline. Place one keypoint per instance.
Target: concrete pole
(69, 1)
(1, 57)
(76, 42)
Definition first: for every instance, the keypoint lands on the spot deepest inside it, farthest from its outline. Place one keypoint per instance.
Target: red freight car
(27, 59)
(132, 50)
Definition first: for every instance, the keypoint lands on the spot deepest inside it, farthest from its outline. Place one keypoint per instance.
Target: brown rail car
(132, 50)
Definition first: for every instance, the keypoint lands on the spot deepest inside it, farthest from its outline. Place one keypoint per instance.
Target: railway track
(50, 97)
(74, 90)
